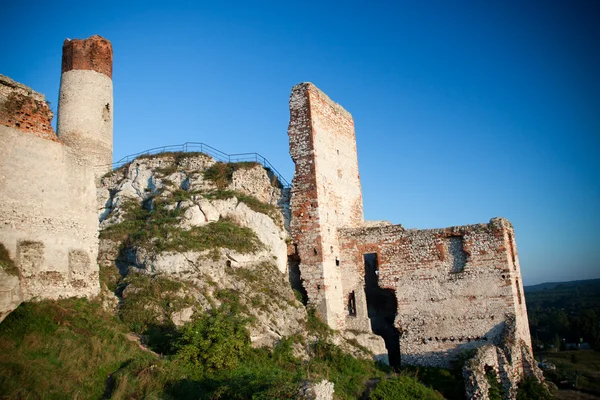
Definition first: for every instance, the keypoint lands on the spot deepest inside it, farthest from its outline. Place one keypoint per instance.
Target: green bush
(315, 325)
(348, 373)
(403, 387)
(495, 391)
(215, 341)
(531, 389)
(222, 173)
(159, 230)
(151, 300)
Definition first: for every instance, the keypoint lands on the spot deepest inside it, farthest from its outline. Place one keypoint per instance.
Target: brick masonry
(94, 53)
(455, 287)
(24, 109)
(322, 139)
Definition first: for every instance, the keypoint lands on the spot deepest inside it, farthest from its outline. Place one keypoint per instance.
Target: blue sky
(463, 110)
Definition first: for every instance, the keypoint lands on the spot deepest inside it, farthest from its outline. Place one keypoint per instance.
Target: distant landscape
(565, 332)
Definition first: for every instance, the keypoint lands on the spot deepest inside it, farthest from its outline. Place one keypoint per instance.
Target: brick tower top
(94, 53)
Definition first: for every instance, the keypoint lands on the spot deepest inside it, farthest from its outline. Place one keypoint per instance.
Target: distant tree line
(564, 313)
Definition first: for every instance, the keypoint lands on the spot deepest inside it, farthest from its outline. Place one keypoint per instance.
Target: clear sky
(463, 110)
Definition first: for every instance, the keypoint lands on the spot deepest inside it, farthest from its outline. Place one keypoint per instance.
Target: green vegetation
(494, 391)
(6, 263)
(74, 349)
(152, 226)
(54, 348)
(579, 369)
(564, 313)
(531, 389)
(449, 383)
(109, 277)
(403, 387)
(151, 299)
(316, 325)
(222, 173)
(217, 340)
(350, 375)
(252, 202)
(178, 156)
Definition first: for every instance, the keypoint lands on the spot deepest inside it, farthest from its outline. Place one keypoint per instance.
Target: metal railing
(189, 147)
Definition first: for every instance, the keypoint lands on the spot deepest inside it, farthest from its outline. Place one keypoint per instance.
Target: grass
(159, 230)
(265, 282)
(403, 387)
(221, 174)
(74, 349)
(578, 369)
(531, 389)
(350, 375)
(150, 300)
(58, 349)
(109, 277)
(6, 263)
(494, 391)
(315, 325)
(252, 202)
(449, 383)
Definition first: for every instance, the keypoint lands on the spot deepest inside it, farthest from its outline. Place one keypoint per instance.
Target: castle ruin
(48, 208)
(429, 294)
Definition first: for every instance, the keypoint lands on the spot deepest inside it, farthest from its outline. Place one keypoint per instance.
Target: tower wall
(85, 110)
(48, 220)
(326, 193)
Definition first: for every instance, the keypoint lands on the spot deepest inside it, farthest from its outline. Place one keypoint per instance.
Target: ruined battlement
(85, 108)
(24, 109)
(326, 192)
(48, 206)
(430, 294)
(453, 287)
(94, 54)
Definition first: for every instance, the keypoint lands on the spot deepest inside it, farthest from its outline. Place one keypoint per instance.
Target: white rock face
(161, 175)
(177, 185)
(181, 317)
(317, 391)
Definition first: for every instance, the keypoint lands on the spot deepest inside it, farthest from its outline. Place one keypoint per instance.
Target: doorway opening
(382, 308)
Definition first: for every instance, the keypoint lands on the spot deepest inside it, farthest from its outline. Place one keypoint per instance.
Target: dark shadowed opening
(382, 308)
(295, 278)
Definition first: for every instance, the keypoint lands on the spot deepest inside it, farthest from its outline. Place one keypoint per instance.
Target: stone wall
(326, 193)
(85, 109)
(48, 219)
(23, 109)
(48, 210)
(454, 287)
(436, 292)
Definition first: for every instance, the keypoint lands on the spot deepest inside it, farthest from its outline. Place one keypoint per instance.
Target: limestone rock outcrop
(180, 186)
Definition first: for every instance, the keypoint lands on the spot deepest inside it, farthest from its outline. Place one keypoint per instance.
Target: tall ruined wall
(48, 207)
(326, 193)
(85, 111)
(454, 287)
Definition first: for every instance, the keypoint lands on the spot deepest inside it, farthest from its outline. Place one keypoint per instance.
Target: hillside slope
(195, 302)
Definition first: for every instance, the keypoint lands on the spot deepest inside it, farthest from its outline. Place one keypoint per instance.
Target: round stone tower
(85, 109)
